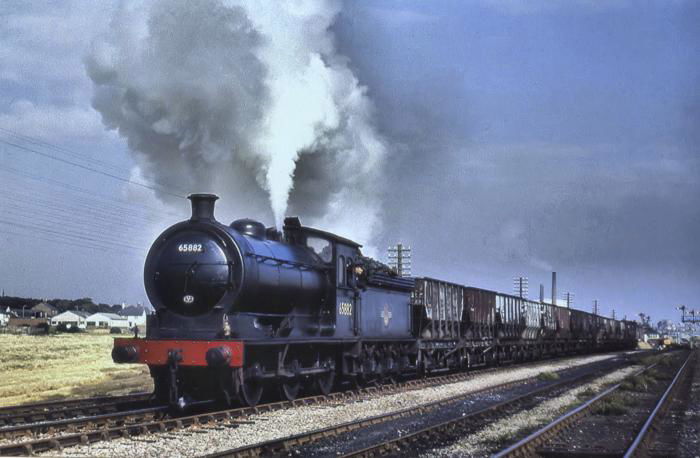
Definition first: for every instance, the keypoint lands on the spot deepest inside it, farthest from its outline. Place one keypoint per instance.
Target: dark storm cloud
(521, 146)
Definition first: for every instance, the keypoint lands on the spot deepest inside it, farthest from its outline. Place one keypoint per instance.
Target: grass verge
(39, 368)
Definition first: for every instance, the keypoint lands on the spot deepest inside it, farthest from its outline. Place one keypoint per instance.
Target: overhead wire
(98, 162)
(60, 219)
(67, 234)
(72, 218)
(58, 241)
(87, 219)
(77, 208)
(91, 194)
(69, 214)
(157, 188)
(57, 226)
(80, 227)
(39, 142)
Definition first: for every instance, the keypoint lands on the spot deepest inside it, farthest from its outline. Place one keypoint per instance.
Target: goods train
(242, 309)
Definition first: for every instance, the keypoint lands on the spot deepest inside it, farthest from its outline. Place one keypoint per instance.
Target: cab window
(321, 247)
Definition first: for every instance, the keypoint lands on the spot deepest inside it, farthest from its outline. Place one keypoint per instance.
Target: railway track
(644, 443)
(56, 435)
(84, 423)
(61, 410)
(60, 434)
(343, 439)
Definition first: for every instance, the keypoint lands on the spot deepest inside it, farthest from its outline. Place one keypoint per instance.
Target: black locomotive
(241, 309)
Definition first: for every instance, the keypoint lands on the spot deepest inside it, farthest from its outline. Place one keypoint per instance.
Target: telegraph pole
(400, 259)
(595, 307)
(569, 298)
(520, 286)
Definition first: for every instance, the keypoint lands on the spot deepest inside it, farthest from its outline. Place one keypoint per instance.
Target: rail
(285, 444)
(103, 428)
(528, 446)
(660, 407)
(60, 410)
(91, 432)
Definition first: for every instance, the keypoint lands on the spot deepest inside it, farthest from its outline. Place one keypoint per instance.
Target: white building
(72, 318)
(136, 315)
(4, 317)
(107, 320)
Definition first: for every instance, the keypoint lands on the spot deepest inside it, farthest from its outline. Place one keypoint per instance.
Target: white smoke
(228, 96)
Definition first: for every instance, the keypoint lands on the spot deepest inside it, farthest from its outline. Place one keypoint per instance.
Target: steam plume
(247, 99)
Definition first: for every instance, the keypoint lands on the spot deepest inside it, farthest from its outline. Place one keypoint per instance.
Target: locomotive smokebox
(203, 206)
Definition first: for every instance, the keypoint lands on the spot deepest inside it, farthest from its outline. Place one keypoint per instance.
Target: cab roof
(293, 224)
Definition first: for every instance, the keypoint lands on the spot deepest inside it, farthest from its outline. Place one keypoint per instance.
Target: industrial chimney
(554, 288)
(202, 206)
(541, 293)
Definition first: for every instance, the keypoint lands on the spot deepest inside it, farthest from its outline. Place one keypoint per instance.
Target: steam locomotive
(242, 309)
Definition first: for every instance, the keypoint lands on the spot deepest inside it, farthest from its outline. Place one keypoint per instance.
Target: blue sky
(523, 136)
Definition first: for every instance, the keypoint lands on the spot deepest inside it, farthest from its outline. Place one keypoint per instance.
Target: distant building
(20, 312)
(72, 318)
(4, 317)
(651, 336)
(28, 322)
(44, 310)
(107, 320)
(135, 314)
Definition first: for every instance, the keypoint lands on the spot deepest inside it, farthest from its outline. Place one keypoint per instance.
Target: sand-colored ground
(38, 368)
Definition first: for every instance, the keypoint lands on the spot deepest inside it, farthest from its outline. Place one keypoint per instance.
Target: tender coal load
(372, 272)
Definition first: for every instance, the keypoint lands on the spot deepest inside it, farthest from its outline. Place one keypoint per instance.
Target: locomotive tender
(243, 308)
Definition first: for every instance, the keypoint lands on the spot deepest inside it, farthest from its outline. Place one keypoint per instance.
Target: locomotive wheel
(324, 382)
(251, 392)
(252, 387)
(289, 388)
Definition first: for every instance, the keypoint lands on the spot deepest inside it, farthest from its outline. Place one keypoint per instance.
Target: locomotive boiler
(241, 309)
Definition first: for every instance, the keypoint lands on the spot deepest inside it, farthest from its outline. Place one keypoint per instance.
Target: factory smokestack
(554, 288)
(541, 293)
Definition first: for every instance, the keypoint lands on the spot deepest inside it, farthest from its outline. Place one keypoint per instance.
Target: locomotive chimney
(554, 288)
(202, 206)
